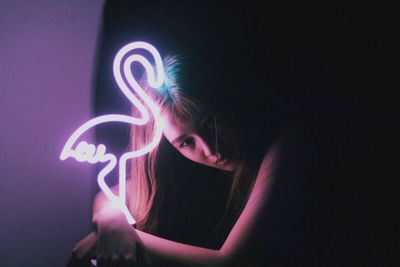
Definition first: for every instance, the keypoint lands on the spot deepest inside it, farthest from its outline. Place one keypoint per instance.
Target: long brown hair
(142, 195)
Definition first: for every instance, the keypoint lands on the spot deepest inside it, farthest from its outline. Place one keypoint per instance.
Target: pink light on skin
(85, 152)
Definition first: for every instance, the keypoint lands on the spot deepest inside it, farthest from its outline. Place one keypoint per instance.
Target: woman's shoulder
(265, 175)
(268, 159)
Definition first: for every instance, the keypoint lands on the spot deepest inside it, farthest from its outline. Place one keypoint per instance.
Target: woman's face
(203, 144)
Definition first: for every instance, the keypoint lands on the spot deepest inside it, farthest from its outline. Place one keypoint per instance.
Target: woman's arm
(241, 234)
(117, 233)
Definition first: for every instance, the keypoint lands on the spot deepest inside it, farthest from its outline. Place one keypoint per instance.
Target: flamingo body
(85, 152)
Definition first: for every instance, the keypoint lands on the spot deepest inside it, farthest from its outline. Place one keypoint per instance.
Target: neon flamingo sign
(85, 152)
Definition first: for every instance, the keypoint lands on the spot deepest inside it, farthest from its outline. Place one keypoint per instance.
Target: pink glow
(84, 152)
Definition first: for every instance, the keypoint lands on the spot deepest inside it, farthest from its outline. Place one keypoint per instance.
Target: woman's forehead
(174, 127)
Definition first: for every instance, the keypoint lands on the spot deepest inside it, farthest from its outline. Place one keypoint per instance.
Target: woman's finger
(75, 262)
(86, 248)
(114, 263)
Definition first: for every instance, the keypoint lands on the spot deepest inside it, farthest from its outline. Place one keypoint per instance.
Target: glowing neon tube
(85, 152)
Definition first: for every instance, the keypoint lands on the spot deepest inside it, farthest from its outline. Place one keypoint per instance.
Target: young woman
(213, 135)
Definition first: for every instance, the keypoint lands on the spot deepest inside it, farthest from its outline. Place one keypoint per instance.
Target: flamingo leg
(112, 162)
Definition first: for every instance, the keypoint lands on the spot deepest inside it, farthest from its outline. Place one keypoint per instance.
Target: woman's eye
(186, 143)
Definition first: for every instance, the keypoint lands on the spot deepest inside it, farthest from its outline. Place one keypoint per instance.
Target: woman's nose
(209, 152)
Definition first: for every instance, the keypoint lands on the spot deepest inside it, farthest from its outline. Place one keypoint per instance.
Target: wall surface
(47, 53)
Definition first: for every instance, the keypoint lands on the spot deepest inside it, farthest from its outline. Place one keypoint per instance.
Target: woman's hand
(84, 251)
(116, 238)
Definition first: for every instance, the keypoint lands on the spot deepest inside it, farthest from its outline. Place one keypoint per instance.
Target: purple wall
(47, 51)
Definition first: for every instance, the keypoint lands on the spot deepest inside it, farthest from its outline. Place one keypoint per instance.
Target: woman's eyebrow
(179, 139)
